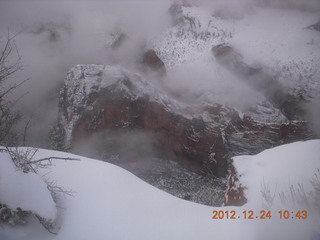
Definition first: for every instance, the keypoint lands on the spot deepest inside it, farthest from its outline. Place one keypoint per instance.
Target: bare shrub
(24, 160)
(296, 197)
(8, 68)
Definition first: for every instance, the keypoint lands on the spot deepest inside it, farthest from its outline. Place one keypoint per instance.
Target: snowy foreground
(111, 203)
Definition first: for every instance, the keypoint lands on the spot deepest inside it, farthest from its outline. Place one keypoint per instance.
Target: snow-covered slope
(111, 203)
(279, 169)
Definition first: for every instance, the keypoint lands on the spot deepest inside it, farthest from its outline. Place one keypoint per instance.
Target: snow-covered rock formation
(249, 101)
(96, 98)
(192, 35)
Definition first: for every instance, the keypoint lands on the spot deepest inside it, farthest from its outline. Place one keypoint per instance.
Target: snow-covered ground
(279, 169)
(111, 203)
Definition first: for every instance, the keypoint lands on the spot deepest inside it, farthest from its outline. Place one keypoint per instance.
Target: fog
(56, 35)
(131, 149)
(199, 82)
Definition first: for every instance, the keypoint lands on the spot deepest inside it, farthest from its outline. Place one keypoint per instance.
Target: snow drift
(111, 203)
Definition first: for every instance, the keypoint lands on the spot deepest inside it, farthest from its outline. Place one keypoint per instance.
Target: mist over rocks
(63, 34)
(197, 82)
(98, 98)
(290, 105)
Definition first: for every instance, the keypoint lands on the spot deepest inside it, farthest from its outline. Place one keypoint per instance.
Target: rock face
(235, 191)
(152, 61)
(97, 97)
(102, 97)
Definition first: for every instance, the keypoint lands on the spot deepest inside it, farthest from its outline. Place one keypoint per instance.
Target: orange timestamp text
(263, 214)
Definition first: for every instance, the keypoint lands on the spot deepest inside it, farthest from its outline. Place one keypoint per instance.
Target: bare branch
(23, 159)
(10, 89)
(8, 116)
(55, 158)
(25, 131)
(46, 224)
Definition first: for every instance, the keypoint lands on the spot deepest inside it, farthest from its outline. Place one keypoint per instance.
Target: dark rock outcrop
(96, 97)
(153, 62)
(235, 195)
(315, 26)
